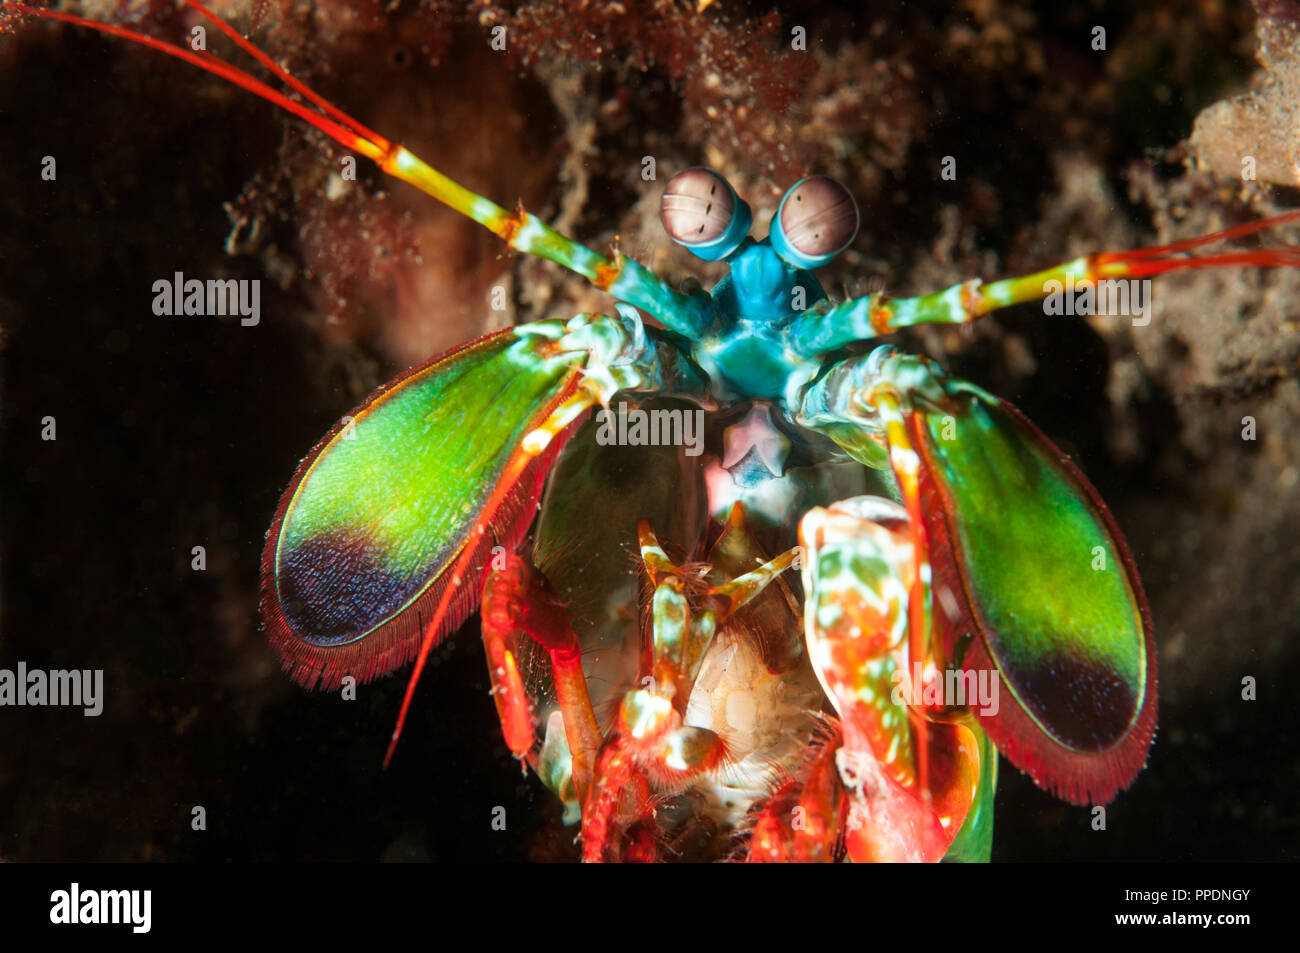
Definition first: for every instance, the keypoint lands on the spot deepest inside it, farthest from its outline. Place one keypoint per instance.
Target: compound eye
(701, 211)
(816, 221)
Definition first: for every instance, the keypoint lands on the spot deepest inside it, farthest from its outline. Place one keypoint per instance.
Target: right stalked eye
(700, 210)
(817, 219)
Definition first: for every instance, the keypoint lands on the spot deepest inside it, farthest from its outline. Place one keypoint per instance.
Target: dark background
(176, 432)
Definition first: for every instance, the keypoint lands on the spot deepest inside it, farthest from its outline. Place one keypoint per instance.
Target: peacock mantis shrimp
(852, 520)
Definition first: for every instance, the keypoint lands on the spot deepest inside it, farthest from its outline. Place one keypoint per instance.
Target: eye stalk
(817, 219)
(701, 210)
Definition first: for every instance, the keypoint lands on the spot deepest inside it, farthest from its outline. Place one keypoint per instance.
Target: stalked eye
(700, 210)
(815, 222)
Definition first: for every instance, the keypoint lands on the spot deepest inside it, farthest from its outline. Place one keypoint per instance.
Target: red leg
(517, 600)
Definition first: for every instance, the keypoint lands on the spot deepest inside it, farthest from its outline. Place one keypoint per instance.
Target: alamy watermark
(75, 688)
(652, 428)
(934, 689)
(214, 297)
(1126, 297)
(73, 906)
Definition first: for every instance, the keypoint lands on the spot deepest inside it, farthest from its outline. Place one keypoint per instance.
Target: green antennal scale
(964, 590)
(1052, 594)
(380, 511)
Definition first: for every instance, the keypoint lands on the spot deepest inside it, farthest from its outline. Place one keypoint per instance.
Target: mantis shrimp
(854, 516)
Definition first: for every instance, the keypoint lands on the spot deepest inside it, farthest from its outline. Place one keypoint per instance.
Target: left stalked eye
(700, 210)
(816, 221)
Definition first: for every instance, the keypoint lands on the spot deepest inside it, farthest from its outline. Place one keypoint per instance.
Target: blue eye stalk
(817, 218)
(747, 343)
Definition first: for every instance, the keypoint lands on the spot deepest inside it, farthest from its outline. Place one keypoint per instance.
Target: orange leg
(518, 600)
(650, 750)
(801, 822)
